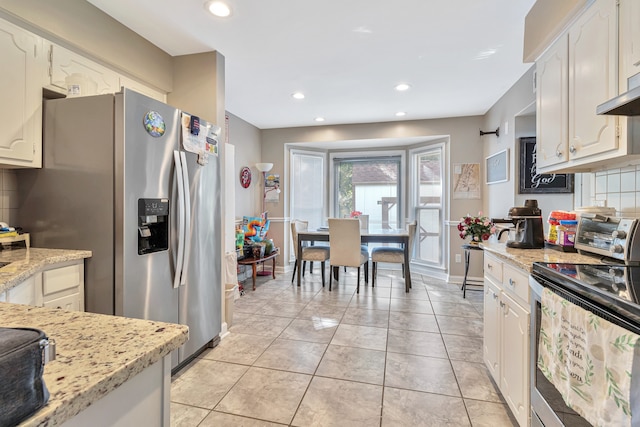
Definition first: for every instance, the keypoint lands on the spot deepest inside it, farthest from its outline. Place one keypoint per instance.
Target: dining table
(398, 236)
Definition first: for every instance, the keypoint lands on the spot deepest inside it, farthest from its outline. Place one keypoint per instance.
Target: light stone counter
(26, 262)
(95, 354)
(524, 258)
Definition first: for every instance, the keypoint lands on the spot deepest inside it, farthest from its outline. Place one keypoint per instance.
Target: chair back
(344, 240)
(411, 228)
(296, 226)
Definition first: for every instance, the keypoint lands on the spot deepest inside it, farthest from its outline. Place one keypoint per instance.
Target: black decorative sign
(533, 182)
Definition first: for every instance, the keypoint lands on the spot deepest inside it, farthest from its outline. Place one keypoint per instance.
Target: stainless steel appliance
(609, 287)
(117, 181)
(529, 232)
(609, 236)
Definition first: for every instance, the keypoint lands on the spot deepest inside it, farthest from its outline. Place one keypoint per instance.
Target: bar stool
(471, 282)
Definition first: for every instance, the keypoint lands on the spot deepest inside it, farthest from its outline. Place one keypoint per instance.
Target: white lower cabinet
(57, 286)
(26, 292)
(506, 333)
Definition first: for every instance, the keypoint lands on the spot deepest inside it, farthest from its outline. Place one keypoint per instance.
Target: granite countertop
(26, 262)
(524, 258)
(96, 353)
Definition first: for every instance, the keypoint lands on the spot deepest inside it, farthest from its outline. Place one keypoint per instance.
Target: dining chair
(346, 250)
(309, 253)
(391, 254)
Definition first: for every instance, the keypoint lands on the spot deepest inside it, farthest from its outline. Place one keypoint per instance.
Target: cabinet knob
(501, 304)
(572, 149)
(495, 296)
(489, 266)
(558, 153)
(512, 283)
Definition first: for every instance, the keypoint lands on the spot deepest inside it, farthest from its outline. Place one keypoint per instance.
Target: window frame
(414, 199)
(369, 155)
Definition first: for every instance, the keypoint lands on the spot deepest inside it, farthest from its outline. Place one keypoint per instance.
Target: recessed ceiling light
(298, 95)
(319, 119)
(218, 8)
(400, 87)
(401, 113)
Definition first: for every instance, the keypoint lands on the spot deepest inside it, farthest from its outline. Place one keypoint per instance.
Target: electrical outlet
(458, 258)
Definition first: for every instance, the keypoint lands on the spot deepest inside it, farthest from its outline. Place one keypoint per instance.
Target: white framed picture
(497, 167)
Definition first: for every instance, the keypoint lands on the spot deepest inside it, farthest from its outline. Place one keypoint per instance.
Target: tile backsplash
(8, 196)
(618, 188)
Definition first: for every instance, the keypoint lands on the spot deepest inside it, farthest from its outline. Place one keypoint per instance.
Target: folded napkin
(589, 360)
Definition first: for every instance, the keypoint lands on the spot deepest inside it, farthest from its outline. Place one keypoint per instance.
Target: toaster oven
(611, 237)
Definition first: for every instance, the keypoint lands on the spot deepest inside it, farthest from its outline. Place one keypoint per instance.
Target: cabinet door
(63, 286)
(491, 343)
(514, 377)
(69, 303)
(552, 110)
(64, 63)
(593, 59)
(20, 82)
(629, 41)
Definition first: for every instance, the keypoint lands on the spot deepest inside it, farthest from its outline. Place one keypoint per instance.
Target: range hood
(627, 104)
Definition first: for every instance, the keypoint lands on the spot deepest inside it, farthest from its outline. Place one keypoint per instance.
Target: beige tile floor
(309, 357)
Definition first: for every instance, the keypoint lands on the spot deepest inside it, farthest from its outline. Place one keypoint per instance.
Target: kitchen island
(109, 370)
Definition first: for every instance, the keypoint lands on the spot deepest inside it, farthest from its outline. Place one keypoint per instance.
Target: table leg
(467, 255)
(299, 258)
(255, 273)
(273, 269)
(407, 270)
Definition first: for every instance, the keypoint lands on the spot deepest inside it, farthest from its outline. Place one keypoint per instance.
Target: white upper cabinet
(21, 81)
(98, 79)
(64, 63)
(593, 70)
(552, 108)
(576, 74)
(629, 40)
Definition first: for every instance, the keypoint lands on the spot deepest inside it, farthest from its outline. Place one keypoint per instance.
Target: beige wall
(246, 139)
(199, 79)
(516, 108)
(464, 147)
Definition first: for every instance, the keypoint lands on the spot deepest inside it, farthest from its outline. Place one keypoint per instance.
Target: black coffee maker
(529, 233)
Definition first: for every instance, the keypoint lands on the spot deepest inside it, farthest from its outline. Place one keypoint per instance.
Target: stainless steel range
(609, 287)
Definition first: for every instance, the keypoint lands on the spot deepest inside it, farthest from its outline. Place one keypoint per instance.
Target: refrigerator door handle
(181, 225)
(187, 220)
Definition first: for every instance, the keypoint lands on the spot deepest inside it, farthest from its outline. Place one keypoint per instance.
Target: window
(371, 186)
(308, 187)
(428, 204)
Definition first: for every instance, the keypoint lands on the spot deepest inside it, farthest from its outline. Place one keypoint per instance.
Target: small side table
(253, 262)
(466, 282)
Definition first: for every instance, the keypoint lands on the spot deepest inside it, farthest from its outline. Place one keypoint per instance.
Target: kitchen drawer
(69, 302)
(59, 279)
(493, 267)
(516, 283)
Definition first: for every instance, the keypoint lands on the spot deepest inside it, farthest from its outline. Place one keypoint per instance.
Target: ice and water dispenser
(153, 225)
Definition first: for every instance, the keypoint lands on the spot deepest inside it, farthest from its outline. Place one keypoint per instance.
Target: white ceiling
(345, 55)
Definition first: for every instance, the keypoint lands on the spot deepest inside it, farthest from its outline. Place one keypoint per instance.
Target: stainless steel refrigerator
(117, 180)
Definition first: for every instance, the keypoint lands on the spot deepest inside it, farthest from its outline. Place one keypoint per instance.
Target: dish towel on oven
(588, 359)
